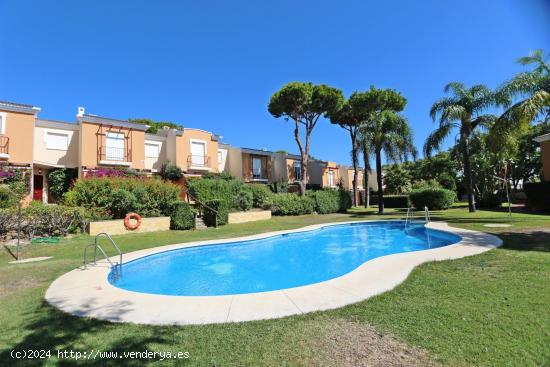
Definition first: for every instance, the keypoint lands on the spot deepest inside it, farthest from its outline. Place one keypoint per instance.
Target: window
(152, 150)
(257, 168)
(330, 174)
(198, 152)
(297, 171)
(220, 157)
(114, 146)
(57, 141)
(2, 123)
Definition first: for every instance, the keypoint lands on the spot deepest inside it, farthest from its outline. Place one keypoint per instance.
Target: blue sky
(214, 64)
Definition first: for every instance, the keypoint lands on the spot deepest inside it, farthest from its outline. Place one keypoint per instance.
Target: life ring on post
(134, 216)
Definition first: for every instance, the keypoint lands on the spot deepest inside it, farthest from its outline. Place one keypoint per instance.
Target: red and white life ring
(134, 216)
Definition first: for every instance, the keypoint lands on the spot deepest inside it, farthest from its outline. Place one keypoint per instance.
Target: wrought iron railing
(202, 161)
(4, 144)
(114, 154)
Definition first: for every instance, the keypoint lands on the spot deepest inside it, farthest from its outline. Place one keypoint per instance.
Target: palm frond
(436, 138)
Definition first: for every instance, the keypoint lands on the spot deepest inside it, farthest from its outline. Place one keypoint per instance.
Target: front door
(38, 185)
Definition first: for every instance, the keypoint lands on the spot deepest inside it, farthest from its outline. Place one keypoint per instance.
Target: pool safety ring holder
(129, 225)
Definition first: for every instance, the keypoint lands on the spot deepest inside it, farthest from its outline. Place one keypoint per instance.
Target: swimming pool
(273, 263)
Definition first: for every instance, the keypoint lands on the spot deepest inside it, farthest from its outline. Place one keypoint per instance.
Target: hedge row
(292, 204)
(390, 201)
(330, 201)
(45, 220)
(148, 197)
(538, 195)
(433, 198)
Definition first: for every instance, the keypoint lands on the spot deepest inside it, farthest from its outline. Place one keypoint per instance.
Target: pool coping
(87, 292)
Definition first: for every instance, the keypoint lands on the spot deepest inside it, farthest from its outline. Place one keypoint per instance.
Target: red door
(38, 184)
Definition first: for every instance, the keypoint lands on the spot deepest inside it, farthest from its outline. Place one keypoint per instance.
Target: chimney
(81, 111)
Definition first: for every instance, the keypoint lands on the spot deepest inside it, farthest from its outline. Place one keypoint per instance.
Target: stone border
(88, 292)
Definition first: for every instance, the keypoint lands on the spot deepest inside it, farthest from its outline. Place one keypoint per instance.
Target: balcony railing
(4, 144)
(113, 154)
(259, 174)
(198, 161)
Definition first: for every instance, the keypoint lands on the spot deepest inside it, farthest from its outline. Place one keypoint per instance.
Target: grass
(490, 309)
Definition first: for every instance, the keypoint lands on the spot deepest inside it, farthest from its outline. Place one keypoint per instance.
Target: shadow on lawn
(534, 240)
(51, 329)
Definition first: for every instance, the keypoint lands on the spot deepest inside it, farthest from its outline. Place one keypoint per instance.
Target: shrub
(390, 201)
(170, 172)
(118, 196)
(222, 209)
(538, 195)
(490, 200)
(206, 189)
(434, 198)
(60, 180)
(261, 196)
(279, 187)
(181, 216)
(244, 200)
(7, 199)
(8, 221)
(330, 201)
(292, 204)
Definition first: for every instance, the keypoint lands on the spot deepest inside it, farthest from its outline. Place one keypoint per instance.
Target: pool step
(199, 223)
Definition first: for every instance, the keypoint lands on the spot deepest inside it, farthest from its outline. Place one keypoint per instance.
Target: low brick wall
(116, 226)
(250, 216)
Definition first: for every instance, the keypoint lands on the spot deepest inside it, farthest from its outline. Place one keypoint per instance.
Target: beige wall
(330, 166)
(19, 130)
(43, 155)
(234, 162)
(545, 153)
(155, 163)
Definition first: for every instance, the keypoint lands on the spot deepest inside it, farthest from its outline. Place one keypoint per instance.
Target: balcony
(198, 162)
(259, 174)
(4, 146)
(114, 156)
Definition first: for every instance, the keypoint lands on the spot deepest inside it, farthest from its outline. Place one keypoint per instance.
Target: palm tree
(387, 131)
(533, 90)
(463, 110)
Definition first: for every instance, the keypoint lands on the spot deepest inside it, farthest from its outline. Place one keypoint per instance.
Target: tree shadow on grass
(47, 328)
(534, 240)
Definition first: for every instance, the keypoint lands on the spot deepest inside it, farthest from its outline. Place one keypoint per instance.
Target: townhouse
(36, 146)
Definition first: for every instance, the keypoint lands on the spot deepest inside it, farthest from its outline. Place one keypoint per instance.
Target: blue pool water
(278, 262)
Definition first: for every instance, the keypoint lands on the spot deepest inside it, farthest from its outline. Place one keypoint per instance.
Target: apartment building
(92, 142)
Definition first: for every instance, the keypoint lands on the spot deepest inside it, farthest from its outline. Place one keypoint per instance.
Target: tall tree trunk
(465, 137)
(367, 189)
(354, 158)
(379, 181)
(303, 155)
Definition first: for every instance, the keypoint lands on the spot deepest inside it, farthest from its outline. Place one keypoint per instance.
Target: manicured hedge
(244, 200)
(118, 196)
(434, 198)
(181, 216)
(330, 201)
(538, 195)
(222, 209)
(292, 204)
(216, 188)
(390, 201)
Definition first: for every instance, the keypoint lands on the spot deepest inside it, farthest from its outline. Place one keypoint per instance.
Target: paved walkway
(88, 293)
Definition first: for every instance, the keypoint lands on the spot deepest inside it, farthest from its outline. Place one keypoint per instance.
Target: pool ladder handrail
(96, 246)
(426, 215)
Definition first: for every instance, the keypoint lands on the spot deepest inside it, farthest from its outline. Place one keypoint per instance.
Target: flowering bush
(112, 172)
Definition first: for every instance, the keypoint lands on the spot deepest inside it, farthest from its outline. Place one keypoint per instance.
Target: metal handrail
(426, 214)
(97, 246)
(194, 160)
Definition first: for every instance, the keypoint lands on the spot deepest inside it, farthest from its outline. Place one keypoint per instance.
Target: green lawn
(490, 309)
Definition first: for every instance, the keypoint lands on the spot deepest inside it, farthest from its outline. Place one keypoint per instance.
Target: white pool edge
(88, 293)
